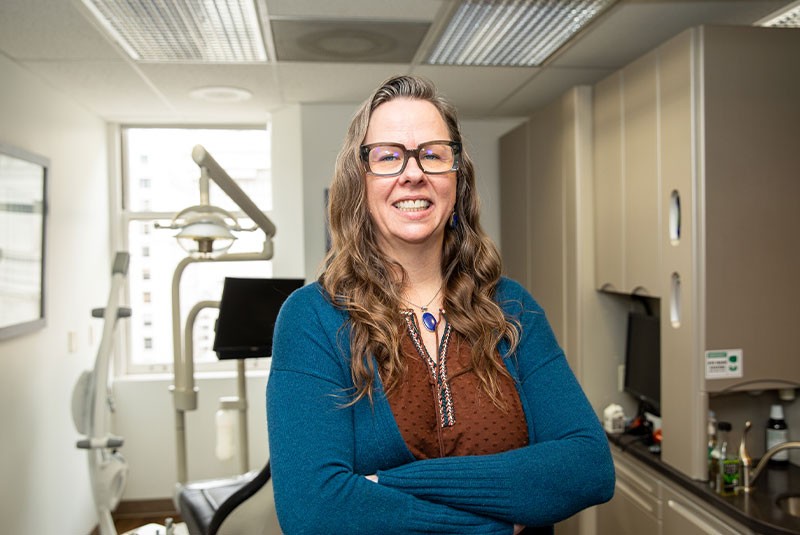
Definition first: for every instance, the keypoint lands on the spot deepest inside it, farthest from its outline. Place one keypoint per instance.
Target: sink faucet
(749, 479)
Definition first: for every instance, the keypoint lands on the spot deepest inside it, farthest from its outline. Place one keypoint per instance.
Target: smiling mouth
(412, 206)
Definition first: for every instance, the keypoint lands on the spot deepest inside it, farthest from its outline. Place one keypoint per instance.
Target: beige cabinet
(646, 502)
(636, 507)
(727, 115)
(627, 207)
(682, 514)
(609, 185)
(696, 202)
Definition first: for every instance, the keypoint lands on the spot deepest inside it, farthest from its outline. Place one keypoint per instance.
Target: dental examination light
(206, 232)
(92, 406)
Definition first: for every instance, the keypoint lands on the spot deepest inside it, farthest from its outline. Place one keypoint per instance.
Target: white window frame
(121, 217)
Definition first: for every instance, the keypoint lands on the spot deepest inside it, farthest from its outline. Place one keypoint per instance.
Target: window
(159, 179)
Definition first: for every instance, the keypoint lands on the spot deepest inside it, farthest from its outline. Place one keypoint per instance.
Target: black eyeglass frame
(455, 145)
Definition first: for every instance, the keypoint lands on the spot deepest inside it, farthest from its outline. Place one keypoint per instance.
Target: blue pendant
(429, 321)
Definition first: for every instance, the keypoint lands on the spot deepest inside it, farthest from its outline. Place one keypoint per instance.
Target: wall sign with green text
(724, 363)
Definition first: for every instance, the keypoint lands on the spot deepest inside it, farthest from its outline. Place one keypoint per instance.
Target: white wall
(482, 142)
(323, 127)
(45, 483)
(145, 417)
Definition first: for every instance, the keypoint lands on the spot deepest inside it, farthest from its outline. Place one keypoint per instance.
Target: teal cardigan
(321, 448)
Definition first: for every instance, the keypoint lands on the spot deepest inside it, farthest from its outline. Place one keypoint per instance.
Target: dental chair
(244, 504)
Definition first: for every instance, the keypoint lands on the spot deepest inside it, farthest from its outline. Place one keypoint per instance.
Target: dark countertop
(756, 510)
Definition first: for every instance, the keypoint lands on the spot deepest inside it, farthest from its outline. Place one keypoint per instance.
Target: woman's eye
(388, 157)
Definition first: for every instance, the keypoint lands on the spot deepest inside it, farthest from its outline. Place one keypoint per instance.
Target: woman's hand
(518, 528)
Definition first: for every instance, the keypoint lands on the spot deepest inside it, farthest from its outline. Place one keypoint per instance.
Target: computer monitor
(643, 361)
(247, 313)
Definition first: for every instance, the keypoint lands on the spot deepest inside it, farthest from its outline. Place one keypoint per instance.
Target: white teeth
(418, 204)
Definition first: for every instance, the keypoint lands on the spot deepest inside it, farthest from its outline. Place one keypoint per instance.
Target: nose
(413, 171)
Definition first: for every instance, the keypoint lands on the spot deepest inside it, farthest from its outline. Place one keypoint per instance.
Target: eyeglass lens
(391, 159)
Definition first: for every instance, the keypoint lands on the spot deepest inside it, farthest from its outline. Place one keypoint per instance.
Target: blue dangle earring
(454, 220)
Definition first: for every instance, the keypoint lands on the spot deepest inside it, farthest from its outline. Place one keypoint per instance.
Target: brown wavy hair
(362, 280)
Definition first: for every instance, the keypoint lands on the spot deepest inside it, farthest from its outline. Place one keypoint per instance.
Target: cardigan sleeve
(312, 443)
(566, 467)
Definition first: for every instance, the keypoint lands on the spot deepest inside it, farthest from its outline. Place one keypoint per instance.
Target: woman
(412, 388)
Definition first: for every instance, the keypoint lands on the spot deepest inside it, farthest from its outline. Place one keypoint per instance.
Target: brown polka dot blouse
(442, 410)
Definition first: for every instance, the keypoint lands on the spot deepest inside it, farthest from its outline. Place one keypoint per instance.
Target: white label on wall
(724, 363)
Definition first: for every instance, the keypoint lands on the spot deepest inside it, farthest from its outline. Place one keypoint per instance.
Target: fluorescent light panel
(518, 33)
(788, 17)
(217, 31)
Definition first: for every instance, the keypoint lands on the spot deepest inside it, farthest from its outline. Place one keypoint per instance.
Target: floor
(154, 528)
(145, 524)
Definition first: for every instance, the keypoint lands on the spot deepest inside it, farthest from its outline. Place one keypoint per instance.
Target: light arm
(216, 173)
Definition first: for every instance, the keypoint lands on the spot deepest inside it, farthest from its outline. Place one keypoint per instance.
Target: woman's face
(412, 208)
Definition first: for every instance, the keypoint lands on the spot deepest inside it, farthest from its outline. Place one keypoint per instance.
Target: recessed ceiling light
(786, 17)
(222, 31)
(519, 33)
(221, 94)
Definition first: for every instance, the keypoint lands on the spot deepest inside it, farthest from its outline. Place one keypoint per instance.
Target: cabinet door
(608, 193)
(640, 164)
(635, 508)
(682, 516)
(628, 513)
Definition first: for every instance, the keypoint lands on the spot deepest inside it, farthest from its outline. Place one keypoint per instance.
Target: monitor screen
(643, 361)
(247, 313)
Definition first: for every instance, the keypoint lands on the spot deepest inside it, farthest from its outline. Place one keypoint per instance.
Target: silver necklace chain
(425, 308)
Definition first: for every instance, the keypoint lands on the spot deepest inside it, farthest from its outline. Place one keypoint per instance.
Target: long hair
(362, 280)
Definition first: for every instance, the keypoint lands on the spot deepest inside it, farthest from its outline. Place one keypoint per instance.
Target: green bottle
(728, 473)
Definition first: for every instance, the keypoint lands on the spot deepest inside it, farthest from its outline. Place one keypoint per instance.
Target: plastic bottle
(226, 420)
(777, 433)
(727, 477)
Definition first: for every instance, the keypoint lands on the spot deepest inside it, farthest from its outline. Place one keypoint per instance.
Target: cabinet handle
(635, 479)
(634, 496)
(675, 300)
(641, 290)
(690, 515)
(675, 217)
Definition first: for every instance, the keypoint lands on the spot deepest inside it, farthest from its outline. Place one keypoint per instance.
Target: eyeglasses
(390, 159)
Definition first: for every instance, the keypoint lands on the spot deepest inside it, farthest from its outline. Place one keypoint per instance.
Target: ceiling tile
(47, 30)
(424, 10)
(332, 82)
(175, 82)
(347, 41)
(546, 87)
(476, 90)
(108, 88)
(56, 40)
(632, 29)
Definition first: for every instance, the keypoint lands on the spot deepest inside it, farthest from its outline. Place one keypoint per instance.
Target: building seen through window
(159, 180)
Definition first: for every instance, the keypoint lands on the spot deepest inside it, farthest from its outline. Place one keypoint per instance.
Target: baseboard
(161, 507)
